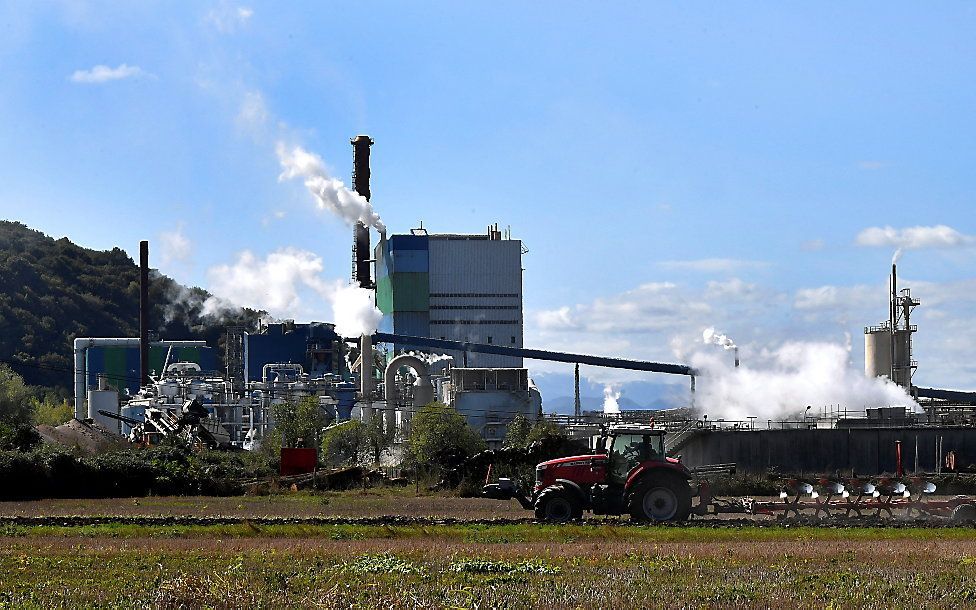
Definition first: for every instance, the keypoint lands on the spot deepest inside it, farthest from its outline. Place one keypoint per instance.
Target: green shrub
(56, 473)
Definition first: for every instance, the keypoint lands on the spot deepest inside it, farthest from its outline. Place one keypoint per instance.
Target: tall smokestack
(144, 313)
(893, 316)
(360, 181)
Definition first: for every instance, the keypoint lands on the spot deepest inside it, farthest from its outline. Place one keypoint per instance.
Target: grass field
(600, 564)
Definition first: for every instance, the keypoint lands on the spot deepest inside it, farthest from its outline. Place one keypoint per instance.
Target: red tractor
(629, 472)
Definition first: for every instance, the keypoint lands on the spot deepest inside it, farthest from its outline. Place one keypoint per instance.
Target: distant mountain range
(656, 392)
(52, 291)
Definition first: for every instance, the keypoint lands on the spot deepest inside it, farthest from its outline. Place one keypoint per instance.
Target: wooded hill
(52, 291)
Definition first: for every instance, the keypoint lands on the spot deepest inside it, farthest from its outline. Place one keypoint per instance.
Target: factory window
(474, 294)
(474, 321)
(474, 307)
(489, 338)
(513, 339)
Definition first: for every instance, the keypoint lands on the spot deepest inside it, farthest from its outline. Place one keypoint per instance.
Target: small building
(491, 398)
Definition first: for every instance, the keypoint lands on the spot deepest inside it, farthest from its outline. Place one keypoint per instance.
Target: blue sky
(667, 169)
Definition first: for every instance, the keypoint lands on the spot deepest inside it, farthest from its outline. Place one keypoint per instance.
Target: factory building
(455, 287)
(314, 346)
(118, 363)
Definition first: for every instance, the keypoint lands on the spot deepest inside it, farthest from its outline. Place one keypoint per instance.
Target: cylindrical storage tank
(168, 388)
(903, 357)
(104, 400)
(877, 353)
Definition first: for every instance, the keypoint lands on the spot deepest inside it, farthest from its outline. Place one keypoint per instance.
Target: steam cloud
(781, 383)
(354, 312)
(610, 397)
(896, 256)
(330, 193)
(711, 337)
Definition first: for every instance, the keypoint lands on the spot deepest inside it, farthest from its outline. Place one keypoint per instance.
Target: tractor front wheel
(660, 498)
(556, 504)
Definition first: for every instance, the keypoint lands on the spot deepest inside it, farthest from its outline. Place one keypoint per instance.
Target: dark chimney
(144, 313)
(360, 181)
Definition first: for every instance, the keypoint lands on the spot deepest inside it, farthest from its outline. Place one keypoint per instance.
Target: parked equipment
(630, 473)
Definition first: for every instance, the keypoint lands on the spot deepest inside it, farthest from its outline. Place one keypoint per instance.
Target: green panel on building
(411, 292)
(117, 367)
(384, 294)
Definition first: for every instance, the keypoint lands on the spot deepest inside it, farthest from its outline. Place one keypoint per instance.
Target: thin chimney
(144, 313)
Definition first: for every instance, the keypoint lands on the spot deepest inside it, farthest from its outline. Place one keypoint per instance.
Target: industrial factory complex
(452, 332)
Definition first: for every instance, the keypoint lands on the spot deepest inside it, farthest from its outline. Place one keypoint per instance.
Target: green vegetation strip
(480, 533)
(75, 577)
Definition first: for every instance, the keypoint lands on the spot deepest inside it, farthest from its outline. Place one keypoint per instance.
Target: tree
(15, 397)
(546, 430)
(517, 432)
(297, 424)
(52, 411)
(345, 444)
(378, 437)
(440, 438)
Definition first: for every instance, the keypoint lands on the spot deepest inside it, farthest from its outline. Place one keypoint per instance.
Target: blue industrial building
(315, 346)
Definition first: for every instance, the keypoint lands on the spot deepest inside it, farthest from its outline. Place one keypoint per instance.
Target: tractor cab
(627, 447)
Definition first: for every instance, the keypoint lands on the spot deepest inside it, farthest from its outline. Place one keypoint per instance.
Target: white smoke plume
(610, 397)
(181, 301)
(354, 312)
(430, 359)
(176, 247)
(330, 193)
(711, 337)
(781, 383)
(896, 256)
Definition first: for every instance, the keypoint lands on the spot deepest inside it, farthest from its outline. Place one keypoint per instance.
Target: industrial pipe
(366, 376)
(534, 354)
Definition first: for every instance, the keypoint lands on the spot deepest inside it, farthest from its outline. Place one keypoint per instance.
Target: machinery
(629, 472)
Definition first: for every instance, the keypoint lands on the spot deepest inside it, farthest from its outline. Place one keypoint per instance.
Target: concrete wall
(866, 451)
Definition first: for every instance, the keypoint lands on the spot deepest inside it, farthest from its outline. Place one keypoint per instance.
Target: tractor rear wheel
(556, 504)
(660, 497)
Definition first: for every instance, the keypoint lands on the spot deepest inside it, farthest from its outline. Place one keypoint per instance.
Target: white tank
(877, 352)
(199, 388)
(167, 388)
(104, 400)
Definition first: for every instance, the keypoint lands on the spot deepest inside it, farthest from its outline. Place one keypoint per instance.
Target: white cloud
(102, 74)
(176, 247)
(664, 322)
(287, 283)
(253, 111)
(913, 238)
(227, 18)
(733, 287)
(711, 265)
